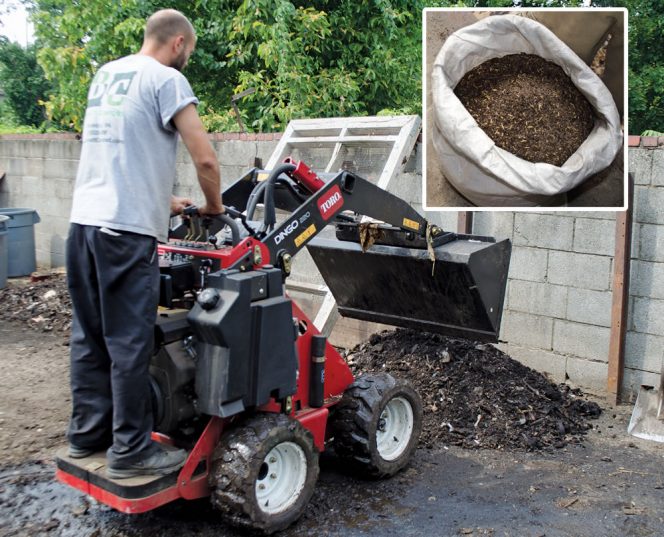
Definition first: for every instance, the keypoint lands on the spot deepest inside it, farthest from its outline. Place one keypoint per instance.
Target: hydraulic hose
(299, 197)
(270, 213)
(254, 199)
(232, 224)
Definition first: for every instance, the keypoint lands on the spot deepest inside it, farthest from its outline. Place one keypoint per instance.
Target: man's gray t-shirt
(127, 167)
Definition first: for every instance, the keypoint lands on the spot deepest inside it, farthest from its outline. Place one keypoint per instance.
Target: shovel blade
(460, 295)
(646, 421)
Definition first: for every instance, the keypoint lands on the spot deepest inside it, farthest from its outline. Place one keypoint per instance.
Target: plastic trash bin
(4, 254)
(21, 258)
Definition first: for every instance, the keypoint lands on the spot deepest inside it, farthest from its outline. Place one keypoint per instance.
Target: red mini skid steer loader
(243, 380)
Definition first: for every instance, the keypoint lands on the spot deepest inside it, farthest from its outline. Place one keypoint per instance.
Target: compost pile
(527, 106)
(476, 396)
(44, 305)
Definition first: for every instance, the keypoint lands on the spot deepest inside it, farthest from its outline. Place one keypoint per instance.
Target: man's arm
(198, 144)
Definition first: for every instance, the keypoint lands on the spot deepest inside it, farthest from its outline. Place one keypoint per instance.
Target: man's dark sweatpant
(113, 279)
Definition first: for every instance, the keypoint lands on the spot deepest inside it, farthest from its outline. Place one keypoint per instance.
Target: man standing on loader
(136, 107)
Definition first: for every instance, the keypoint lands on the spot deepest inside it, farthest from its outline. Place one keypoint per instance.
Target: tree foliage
(23, 82)
(321, 58)
(646, 65)
(301, 58)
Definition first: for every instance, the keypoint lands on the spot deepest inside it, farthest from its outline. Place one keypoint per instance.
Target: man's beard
(179, 62)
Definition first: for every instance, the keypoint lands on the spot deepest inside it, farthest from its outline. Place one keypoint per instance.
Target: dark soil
(527, 106)
(476, 396)
(42, 304)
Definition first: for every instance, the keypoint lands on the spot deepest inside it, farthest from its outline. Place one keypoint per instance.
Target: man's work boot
(162, 461)
(76, 452)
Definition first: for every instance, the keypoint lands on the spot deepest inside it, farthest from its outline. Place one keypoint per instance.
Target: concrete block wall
(41, 172)
(558, 302)
(645, 335)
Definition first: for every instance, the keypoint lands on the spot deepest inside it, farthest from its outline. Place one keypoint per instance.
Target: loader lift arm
(324, 205)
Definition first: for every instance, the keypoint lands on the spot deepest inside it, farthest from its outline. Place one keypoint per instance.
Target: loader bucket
(394, 284)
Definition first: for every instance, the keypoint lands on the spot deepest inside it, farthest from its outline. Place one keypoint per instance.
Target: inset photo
(525, 108)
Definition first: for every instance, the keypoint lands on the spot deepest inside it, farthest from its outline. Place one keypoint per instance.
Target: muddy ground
(611, 484)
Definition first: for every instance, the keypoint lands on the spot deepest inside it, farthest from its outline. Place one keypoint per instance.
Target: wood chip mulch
(476, 396)
(527, 106)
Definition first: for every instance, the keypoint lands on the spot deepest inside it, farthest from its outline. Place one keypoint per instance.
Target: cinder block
(587, 306)
(584, 340)
(496, 224)
(16, 166)
(447, 220)
(61, 149)
(543, 231)
(594, 236)
(63, 188)
(597, 215)
(349, 332)
(579, 270)
(305, 270)
(651, 242)
(633, 379)
(649, 316)
(265, 148)
(414, 162)
(537, 298)
(230, 174)
(408, 187)
(644, 351)
(657, 174)
(549, 363)
(32, 185)
(636, 234)
(527, 330)
(587, 374)
(649, 204)
(60, 168)
(57, 259)
(640, 163)
(238, 153)
(529, 264)
(7, 149)
(30, 148)
(647, 279)
(185, 174)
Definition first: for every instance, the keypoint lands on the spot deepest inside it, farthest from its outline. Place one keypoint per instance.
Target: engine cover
(172, 371)
(245, 341)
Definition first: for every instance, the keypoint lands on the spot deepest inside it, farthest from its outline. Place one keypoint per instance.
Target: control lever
(204, 270)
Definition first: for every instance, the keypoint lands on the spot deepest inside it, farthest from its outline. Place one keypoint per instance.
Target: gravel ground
(605, 484)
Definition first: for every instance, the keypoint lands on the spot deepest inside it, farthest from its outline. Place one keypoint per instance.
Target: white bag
(486, 174)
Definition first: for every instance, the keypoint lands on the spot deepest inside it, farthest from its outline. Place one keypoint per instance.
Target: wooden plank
(400, 152)
(355, 131)
(619, 306)
(335, 153)
(306, 287)
(465, 222)
(363, 122)
(354, 140)
(282, 147)
(327, 315)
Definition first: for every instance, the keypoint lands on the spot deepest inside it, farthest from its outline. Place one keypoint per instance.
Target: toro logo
(330, 202)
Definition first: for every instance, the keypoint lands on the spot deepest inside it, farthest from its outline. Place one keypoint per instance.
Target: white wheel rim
(395, 428)
(281, 478)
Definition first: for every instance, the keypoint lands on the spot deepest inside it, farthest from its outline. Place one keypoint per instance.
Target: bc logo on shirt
(105, 91)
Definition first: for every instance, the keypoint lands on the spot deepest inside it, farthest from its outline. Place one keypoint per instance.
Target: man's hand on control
(178, 204)
(211, 209)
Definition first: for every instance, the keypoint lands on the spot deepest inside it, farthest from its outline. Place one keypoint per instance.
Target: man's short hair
(166, 24)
